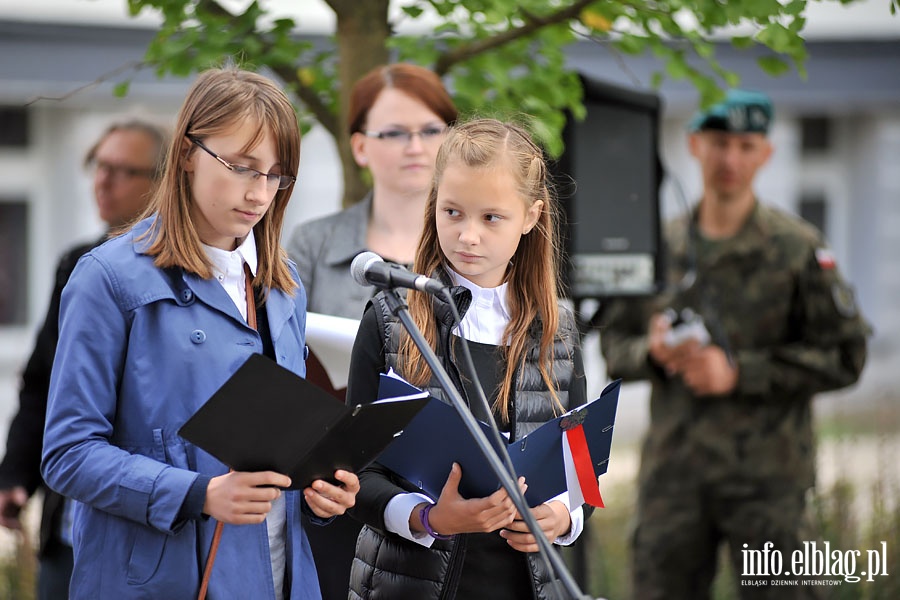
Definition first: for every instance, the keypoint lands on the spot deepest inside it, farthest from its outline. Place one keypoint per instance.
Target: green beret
(742, 111)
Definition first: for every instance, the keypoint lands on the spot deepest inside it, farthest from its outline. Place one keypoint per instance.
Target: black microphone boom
(370, 269)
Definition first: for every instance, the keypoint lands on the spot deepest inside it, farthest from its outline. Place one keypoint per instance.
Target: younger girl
(396, 121)
(151, 324)
(489, 232)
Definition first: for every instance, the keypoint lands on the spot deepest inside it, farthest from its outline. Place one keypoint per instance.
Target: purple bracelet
(423, 516)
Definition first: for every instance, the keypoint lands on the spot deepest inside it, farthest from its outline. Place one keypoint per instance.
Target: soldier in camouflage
(729, 455)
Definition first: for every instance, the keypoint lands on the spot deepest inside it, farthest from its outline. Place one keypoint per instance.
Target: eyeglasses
(119, 172)
(405, 136)
(281, 182)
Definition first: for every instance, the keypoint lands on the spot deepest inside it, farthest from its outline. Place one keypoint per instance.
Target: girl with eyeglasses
(151, 324)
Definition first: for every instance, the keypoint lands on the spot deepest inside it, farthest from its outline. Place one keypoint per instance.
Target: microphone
(370, 269)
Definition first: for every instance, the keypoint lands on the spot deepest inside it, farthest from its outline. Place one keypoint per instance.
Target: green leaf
(704, 49)
(709, 93)
(677, 67)
(797, 24)
(631, 44)
(773, 65)
(413, 12)
(778, 37)
(732, 80)
(795, 7)
(742, 42)
(120, 90)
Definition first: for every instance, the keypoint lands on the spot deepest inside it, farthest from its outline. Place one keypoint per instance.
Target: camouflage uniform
(735, 467)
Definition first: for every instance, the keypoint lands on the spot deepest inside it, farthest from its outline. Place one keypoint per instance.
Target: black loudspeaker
(608, 181)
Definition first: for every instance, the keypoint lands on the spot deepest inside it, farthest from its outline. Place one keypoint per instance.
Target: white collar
(228, 269)
(224, 260)
(488, 314)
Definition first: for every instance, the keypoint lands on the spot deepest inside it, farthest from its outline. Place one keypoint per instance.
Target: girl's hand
(454, 514)
(328, 500)
(241, 498)
(553, 518)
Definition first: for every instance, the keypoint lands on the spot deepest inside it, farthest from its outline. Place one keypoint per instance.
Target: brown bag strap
(251, 298)
(217, 534)
(210, 560)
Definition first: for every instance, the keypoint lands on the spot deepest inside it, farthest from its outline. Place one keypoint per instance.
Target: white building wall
(876, 208)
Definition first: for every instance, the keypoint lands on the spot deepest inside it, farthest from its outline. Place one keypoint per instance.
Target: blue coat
(140, 350)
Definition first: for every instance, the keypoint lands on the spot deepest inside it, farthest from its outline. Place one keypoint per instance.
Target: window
(13, 261)
(13, 127)
(815, 135)
(814, 208)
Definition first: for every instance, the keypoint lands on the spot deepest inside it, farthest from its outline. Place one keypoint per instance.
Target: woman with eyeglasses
(397, 120)
(152, 323)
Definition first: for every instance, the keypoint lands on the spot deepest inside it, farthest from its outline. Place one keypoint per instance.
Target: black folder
(437, 437)
(267, 418)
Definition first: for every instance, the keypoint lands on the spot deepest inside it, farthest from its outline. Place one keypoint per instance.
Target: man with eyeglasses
(125, 163)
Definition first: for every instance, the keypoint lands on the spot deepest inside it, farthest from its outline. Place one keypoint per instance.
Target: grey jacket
(323, 250)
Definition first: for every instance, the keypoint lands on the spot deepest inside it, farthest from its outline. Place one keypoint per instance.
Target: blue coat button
(198, 336)
(187, 295)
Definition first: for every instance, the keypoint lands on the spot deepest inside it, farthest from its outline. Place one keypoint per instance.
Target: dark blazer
(22, 464)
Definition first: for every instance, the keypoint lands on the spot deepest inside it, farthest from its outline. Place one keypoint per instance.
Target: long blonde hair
(533, 271)
(219, 100)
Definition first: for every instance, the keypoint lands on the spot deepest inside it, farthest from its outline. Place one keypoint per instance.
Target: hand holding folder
(437, 437)
(266, 418)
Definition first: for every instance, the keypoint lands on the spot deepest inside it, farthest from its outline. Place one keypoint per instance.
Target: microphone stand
(398, 307)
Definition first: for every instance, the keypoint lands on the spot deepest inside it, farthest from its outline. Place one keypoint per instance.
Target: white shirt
(484, 323)
(228, 269)
(488, 314)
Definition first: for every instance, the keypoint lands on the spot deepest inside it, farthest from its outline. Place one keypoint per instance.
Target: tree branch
(310, 99)
(532, 24)
(134, 65)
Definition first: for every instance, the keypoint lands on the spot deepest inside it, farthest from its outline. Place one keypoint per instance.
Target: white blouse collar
(224, 261)
(488, 314)
(228, 269)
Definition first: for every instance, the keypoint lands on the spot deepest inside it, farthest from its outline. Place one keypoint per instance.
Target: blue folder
(437, 437)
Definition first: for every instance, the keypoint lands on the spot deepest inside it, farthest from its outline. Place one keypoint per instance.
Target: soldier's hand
(660, 353)
(706, 371)
(669, 358)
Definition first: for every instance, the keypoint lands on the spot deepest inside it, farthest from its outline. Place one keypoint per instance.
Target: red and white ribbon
(580, 479)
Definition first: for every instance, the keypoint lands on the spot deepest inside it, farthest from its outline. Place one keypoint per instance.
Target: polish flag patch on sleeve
(825, 258)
